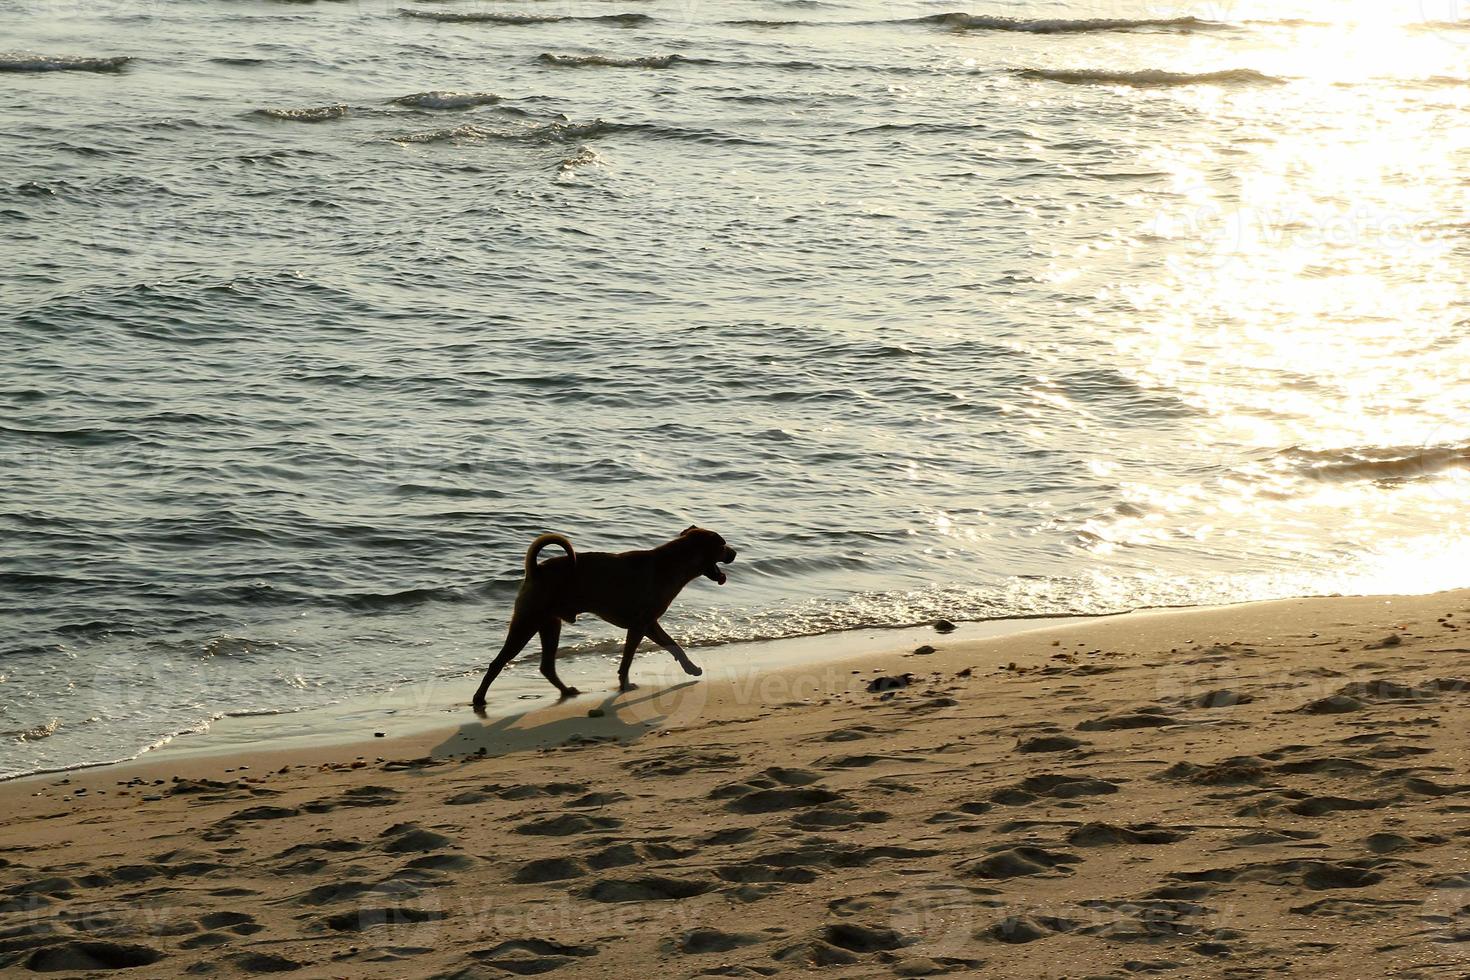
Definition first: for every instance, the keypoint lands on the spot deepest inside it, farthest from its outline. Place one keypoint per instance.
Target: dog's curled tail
(559, 540)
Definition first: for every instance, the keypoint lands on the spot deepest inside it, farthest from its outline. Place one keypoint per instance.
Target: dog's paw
(692, 669)
(629, 686)
(569, 692)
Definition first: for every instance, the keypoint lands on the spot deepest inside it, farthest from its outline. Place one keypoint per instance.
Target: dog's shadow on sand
(626, 717)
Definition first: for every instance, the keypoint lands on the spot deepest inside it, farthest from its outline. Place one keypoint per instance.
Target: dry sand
(1277, 789)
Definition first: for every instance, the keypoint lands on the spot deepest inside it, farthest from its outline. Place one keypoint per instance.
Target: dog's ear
(692, 527)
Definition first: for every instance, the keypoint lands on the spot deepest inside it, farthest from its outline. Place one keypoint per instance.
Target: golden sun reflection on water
(1302, 288)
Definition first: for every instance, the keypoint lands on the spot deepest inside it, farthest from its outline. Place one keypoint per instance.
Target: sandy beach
(1273, 789)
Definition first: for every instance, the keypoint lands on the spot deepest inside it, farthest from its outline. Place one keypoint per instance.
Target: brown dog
(632, 590)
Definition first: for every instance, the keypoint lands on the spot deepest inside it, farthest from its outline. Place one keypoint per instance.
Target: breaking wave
(555, 132)
(40, 62)
(1377, 462)
(622, 20)
(446, 100)
(604, 61)
(568, 132)
(312, 114)
(1149, 78)
(584, 157)
(985, 22)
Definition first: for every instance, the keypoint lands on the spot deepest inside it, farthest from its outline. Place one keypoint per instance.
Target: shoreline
(1272, 787)
(423, 706)
(428, 704)
(431, 705)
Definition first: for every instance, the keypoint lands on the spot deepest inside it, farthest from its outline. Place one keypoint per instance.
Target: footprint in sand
(1104, 834)
(682, 761)
(727, 836)
(837, 817)
(615, 856)
(1354, 909)
(624, 854)
(566, 824)
(1272, 837)
(83, 956)
(1017, 861)
(853, 733)
(648, 888)
(841, 944)
(1337, 704)
(408, 838)
(265, 963)
(497, 791)
(774, 790)
(368, 917)
(1016, 929)
(866, 760)
(1049, 743)
(531, 956)
(1386, 843)
(1055, 786)
(1142, 718)
(1235, 771)
(860, 938)
(263, 813)
(1323, 766)
(1317, 806)
(1222, 698)
(749, 872)
(1315, 875)
(704, 939)
(357, 796)
(548, 869)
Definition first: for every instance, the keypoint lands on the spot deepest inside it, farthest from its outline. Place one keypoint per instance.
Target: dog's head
(713, 548)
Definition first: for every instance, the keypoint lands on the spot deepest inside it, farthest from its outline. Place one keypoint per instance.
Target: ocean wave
(1394, 463)
(447, 100)
(584, 157)
(554, 132)
(1435, 81)
(1149, 78)
(1289, 22)
(570, 132)
(313, 114)
(35, 733)
(390, 601)
(41, 62)
(1440, 25)
(761, 22)
(622, 20)
(982, 22)
(81, 436)
(605, 61)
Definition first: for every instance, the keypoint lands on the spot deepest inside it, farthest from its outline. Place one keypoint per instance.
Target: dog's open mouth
(714, 572)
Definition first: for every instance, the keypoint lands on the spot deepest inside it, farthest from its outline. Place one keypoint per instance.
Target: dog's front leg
(516, 637)
(630, 647)
(656, 634)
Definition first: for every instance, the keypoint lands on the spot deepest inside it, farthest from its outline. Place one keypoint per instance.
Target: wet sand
(1274, 789)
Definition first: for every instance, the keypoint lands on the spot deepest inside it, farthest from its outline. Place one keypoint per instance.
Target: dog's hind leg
(516, 637)
(630, 647)
(550, 635)
(656, 634)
